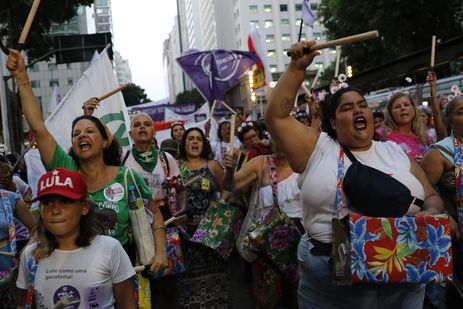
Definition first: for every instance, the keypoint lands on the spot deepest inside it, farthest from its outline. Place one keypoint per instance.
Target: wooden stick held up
(232, 135)
(338, 61)
(211, 114)
(28, 24)
(114, 91)
(433, 51)
(343, 41)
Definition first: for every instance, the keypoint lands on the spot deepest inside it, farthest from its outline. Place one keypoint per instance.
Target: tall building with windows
(103, 20)
(123, 72)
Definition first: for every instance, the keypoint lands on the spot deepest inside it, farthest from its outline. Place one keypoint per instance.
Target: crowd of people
(79, 250)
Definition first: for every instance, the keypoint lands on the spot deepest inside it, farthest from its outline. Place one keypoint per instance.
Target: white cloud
(140, 28)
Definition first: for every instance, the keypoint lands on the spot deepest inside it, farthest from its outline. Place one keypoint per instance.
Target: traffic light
(349, 71)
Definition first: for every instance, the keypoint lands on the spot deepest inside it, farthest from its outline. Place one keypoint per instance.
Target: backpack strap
(32, 263)
(126, 157)
(443, 149)
(349, 154)
(10, 220)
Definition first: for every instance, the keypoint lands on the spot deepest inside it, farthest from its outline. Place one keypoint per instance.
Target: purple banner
(157, 111)
(226, 69)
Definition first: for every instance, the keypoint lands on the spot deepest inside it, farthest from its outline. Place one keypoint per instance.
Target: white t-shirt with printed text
(84, 276)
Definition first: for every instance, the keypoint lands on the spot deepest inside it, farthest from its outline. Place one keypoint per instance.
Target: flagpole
(300, 30)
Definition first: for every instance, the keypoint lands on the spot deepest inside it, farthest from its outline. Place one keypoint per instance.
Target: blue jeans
(318, 290)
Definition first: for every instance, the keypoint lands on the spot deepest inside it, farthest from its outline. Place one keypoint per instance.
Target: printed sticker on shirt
(93, 297)
(66, 297)
(205, 184)
(114, 192)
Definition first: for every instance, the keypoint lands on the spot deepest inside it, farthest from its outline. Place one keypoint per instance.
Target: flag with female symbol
(216, 71)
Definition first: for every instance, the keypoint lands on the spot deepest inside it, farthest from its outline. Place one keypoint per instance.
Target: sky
(140, 28)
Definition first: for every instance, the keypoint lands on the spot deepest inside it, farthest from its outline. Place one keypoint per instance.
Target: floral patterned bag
(216, 229)
(276, 236)
(174, 254)
(389, 250)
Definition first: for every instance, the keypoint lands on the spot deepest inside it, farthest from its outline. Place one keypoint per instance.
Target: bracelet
(24, 83)
(159, 228)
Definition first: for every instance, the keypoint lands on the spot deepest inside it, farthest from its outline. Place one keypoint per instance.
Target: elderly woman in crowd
(348, 121)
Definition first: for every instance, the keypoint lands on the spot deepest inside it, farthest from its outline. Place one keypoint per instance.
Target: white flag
(96, 81)
(308, 16)
(53, 100)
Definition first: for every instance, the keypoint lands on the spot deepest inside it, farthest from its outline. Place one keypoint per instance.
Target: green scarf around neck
(147, 159)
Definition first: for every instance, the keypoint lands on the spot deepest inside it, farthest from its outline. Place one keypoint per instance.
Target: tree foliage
(404, 26)
(134, 95)
(13, 15)
(190, 96)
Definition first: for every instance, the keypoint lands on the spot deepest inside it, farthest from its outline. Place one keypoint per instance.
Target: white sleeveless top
(156, 177)
(289, 198)
(318, 182)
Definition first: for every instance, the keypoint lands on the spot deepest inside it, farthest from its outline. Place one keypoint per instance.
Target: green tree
(404, 26)
(13, 15)
(190, 96)
(134, 95)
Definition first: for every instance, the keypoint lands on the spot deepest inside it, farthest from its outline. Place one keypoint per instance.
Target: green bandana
(147, 159)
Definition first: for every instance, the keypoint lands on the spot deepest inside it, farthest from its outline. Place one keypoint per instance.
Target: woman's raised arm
(294, 139)
(45, 141)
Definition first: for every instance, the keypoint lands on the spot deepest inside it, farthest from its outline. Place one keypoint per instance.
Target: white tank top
(319, 180)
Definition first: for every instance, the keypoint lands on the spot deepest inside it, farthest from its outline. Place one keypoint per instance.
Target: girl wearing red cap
(70, 264)
(96, 156)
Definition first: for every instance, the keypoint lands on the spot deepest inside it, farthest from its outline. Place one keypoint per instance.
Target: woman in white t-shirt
(347, 120)
(70, 265)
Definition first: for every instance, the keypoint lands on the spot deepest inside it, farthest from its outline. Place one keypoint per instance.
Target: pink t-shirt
(410, 144)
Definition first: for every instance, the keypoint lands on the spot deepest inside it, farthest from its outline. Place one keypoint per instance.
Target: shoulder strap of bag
(127, 171)
(339, 192)
(32, 263)
(126, 157)
(457, 162)
(349, 154)
(273, 179)
(443, 149)
(10, 220)
(164, 163)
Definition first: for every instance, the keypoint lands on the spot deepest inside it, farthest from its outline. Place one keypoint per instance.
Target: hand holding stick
(343, 41)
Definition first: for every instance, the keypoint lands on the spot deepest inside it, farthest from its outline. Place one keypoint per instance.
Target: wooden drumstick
(114, 91)
(232, 135)
(433, 51)
(28, 24)
(343, 41)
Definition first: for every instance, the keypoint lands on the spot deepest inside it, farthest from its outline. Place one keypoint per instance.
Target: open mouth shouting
(84, 146)
(360, 123)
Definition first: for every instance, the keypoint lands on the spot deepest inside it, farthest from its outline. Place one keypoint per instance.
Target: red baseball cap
(63, 182)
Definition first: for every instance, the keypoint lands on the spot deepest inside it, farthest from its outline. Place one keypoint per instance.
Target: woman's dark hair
(219, 129)
(378, 114)
(205, 154)
(111, 154)
(173, 126)
(89, 227)
(248, 126)
(328, 109)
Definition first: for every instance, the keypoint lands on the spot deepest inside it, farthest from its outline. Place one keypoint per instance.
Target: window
(70, 82)
(285, 52)
(273, 68)
(286, 37)
(52, 66)
(35, 84)
(253, 9)
(303, 37)
(283, 8)
(271, 53)
(314, 6)
(298, 7)
(298, 22)
(35, 68)
(54, 83)
(267, 8)
(317, 36)
(268, 23)
(68, 66)
(285, 22)
(269, 38)
(254, 23)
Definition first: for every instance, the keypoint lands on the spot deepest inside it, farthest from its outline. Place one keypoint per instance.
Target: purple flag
(216, 71)
(308, 16)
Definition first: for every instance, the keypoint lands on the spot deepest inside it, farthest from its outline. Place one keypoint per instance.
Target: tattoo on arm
(287, 105)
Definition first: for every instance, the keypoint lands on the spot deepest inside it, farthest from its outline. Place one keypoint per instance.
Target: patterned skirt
(206, 281)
